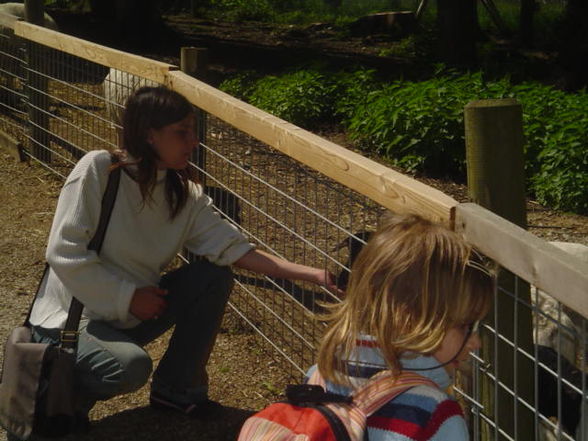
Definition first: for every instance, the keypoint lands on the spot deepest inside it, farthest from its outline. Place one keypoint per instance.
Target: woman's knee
(112, 368)
(136, 369)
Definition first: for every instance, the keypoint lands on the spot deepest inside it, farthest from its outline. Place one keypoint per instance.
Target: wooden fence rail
(561, 275)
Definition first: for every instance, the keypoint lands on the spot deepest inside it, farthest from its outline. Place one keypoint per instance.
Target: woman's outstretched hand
(148, 303)
(327, 279)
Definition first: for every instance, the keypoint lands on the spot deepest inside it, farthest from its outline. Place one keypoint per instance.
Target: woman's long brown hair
(153, 108)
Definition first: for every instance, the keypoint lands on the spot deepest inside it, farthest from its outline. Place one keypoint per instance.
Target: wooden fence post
(194, 62)
(37, 88)
(496, 181)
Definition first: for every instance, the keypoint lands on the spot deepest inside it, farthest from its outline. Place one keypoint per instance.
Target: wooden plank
(134, 64)
(11, 145)
(8, 20)
(554, 271)
(389, 188)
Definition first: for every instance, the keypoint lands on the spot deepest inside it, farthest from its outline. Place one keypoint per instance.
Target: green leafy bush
(556, 128)
(351, 89)
(419, 125)
(242, 10)
(240, 86)
(304, 98)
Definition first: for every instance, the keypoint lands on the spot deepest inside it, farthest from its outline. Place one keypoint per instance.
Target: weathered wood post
(37, 87)
(496, 181)
(194, 62)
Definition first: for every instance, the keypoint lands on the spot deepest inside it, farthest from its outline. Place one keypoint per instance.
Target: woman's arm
(81, 271)
(261, 262)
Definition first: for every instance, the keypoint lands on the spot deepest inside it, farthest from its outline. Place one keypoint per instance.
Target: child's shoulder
(423, 412)
(425, 398)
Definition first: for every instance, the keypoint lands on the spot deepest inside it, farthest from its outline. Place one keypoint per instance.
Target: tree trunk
(526, 21)
(457, 23)
(574, 44)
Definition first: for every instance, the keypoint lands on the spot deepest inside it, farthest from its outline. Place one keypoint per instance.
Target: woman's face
(452, 343)
(174, 143)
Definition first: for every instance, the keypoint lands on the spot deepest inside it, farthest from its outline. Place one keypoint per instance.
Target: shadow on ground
(145, 424)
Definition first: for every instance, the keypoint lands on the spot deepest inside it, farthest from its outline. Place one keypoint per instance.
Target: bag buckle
(312, 393)
(69, 336)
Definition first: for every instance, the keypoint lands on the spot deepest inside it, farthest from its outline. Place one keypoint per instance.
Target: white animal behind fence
(118, 86)
(561, 339)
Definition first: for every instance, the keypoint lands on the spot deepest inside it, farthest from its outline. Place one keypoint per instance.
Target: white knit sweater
(140, 242)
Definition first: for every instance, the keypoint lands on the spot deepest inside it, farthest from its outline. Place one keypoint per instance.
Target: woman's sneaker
(205, 409)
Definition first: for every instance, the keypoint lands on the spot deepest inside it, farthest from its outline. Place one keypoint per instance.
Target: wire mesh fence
(528, 380)
(73, 106)
(12, 80)
(292, 212)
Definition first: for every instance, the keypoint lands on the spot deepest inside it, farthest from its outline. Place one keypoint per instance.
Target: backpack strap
(385, 386)
(379, 389)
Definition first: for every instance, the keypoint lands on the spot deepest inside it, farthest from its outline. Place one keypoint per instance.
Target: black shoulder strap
(69, 336)
(69, 333)
(337, 426)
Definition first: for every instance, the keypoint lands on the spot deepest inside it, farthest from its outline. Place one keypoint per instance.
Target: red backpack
(310, 413)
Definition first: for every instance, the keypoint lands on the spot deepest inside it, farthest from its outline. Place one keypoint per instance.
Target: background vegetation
(418, 125)
(457, 52)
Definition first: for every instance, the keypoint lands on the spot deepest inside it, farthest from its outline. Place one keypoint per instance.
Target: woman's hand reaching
(327, 279)
(148, 303)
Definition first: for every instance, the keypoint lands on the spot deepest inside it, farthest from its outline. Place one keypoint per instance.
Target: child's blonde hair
(411, 283)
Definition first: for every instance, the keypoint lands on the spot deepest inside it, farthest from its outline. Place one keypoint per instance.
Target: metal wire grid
(295, 213)
(282, 206)
(554, 364)
(64, 104)
(66, 98)
(12, 98)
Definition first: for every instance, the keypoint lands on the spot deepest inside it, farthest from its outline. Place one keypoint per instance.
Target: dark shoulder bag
(37, 382)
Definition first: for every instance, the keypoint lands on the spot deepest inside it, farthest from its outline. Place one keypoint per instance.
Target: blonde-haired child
(416, 294)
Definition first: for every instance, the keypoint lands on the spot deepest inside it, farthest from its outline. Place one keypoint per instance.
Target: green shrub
(556, 128)
(242, 10)
(351, 89)
(240, 86)
(419, 125)
(304, 98)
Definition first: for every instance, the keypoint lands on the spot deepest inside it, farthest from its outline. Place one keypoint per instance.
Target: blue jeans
(112, 361)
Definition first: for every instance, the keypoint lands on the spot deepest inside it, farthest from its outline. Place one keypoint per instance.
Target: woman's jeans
(112, 361)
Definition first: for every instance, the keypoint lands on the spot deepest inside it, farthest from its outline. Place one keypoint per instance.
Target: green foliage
(419, 125)
(240, 86)
(556, 127)
(301, 11)
(351, 89)
(304, 97)
(241, 10)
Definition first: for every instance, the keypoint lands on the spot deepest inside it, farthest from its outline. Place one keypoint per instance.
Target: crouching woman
(127, 301)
